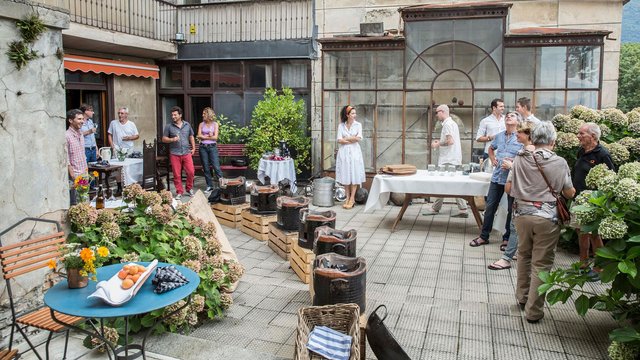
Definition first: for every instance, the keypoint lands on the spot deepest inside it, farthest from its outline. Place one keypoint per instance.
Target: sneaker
(462, 214)
(178, 197)
(190, 192)
(593, 276)
(208, 189)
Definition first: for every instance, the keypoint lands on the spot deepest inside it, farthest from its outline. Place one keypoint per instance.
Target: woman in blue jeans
(208, 135)
(524, 137)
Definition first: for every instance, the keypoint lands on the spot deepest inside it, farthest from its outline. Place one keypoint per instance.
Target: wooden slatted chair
(6, 354)
(23, 258)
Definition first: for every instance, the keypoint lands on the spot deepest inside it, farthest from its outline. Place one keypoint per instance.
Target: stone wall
(139, 95)
(32, 126)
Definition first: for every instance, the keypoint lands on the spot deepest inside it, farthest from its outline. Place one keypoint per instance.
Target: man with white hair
(122, 132)
(450, 154)
(591, 153)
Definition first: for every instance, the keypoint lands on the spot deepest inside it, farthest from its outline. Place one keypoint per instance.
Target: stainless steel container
(323, 192)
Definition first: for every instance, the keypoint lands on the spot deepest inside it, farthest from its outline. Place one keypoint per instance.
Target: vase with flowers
(121, 153)
(82, 184)
(80, 263)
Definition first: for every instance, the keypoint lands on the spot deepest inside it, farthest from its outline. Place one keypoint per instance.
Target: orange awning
(105, 66)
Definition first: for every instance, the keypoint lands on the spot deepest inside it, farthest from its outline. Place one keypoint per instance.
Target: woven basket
(342, 317)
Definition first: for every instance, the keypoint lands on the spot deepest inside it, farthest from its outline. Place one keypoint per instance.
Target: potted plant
(80, 263)
(275, 118)
(81, 185)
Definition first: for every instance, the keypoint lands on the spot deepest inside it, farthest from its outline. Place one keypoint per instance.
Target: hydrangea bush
(150, 228)
(612, 210)
(620, 132)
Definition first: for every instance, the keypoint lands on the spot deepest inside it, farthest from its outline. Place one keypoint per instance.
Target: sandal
(496, 266)
(478, 242)
(504, 244)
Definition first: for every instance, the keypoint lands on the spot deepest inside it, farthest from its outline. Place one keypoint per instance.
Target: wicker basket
(341, 317)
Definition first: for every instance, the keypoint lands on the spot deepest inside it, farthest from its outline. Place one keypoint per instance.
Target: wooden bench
(226, 152)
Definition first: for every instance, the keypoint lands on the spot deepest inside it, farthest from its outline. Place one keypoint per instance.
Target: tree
(629, 79)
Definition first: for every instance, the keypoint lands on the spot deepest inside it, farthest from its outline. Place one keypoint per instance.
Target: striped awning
(105, 66)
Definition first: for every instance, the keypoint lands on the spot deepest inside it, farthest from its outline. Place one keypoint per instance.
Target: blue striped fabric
(329, 343)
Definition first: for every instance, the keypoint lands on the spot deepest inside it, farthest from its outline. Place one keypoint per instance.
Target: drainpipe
(314, 31)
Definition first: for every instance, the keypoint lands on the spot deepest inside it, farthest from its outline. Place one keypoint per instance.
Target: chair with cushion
(26, 257)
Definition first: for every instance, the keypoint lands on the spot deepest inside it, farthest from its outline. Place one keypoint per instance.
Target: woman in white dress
(349, 162)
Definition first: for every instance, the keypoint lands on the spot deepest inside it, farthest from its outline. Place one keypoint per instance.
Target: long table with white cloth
(425, 184)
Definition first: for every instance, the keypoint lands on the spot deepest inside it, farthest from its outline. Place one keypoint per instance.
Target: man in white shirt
(450, 154)
(491, 125)
(523, 107)
(122, 132)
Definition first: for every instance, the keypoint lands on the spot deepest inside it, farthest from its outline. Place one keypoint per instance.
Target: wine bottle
(100, 198)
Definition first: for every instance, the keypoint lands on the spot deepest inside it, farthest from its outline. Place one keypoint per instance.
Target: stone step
(191, 348)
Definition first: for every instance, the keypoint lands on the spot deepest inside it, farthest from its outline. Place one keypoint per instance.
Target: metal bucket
(323, 192)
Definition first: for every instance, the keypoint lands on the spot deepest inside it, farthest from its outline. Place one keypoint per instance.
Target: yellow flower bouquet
(82, 184)
(82, 261)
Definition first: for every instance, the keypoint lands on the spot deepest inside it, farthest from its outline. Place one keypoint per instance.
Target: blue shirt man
(503, 149)
(88, 130)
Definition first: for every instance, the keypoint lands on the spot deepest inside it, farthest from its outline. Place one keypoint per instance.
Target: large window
(233, 88)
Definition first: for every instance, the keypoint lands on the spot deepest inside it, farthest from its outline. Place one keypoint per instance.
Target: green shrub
(279, 117)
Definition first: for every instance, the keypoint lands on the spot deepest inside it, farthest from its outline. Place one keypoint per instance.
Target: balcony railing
(246, 21)
(153, 19)
(211, 22)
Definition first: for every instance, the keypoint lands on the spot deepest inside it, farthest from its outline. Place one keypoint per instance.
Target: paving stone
(449, 294)
(261, 316)
(584, 347)
(504, 351)
(507, 322)
(264, 346)
(475, 349)
(271, 304)
(285, 320)
(286, 351)
(544, 342)
(437, 355)
(510, 337)
(537, 354)
(443, 327)
(276, 334)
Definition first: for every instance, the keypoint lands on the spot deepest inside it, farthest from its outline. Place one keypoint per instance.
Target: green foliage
(149, 228)
(629, 77)
(20, 54)
(612, 211)
(230, 133)
(279, 117)
(31, 28)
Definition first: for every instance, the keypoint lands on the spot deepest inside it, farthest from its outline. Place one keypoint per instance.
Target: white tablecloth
(422, 183)
(277, 170)
(131, 170)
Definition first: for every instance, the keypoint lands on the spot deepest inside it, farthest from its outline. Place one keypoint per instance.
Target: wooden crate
(280, 240)
(229, 215)
(256, 226)
(301, 261)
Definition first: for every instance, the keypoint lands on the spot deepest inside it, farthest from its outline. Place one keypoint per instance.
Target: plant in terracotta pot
(80, 263)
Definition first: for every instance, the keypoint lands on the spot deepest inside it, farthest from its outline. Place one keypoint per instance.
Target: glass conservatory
(457, 55)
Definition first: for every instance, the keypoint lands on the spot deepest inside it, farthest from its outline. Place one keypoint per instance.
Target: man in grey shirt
(180, 135)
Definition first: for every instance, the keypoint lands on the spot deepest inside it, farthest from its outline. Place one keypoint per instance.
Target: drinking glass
(431, 169)
(451, 169)
(466, 169)
(442, 169)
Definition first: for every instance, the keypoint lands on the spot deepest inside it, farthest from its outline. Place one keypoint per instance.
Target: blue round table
(74, 302)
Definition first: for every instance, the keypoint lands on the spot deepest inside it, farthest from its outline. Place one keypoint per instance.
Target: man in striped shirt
(76, 159)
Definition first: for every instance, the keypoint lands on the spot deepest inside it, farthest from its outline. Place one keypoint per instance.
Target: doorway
(97, 99)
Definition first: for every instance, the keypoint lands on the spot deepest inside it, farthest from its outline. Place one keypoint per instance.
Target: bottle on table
(100, 198)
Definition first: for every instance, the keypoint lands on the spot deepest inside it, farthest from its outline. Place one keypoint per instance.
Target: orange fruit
(122, 274)
(127, 283)
(126, 267)
(133, 270)
(141, 269)
(135, 277)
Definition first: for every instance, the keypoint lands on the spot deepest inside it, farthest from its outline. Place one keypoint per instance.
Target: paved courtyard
(442, 300)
